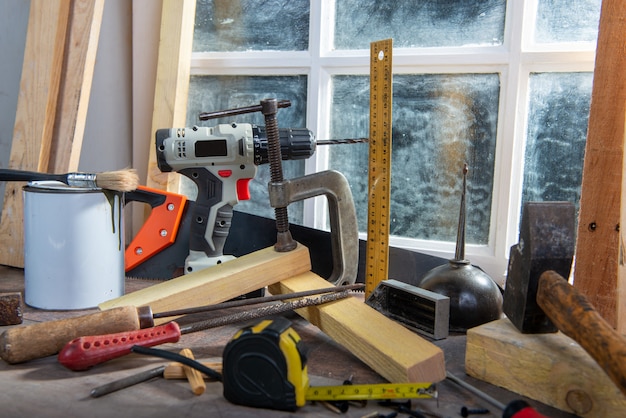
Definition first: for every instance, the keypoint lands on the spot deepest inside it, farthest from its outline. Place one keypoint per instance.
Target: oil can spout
(475, 298)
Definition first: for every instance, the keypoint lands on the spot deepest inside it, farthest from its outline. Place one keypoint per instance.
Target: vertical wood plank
(80, 59)
(172, 81)
(599, 269)
(36, 110)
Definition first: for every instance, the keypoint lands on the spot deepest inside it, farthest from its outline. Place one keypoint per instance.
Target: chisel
(24, 343)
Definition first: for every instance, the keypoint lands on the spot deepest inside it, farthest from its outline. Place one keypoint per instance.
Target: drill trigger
(243, 189)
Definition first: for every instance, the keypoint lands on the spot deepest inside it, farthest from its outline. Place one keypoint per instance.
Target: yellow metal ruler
(373, 391)
(379, 172)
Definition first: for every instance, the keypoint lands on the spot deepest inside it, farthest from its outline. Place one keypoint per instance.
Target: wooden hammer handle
(574, 315)
(29, 342)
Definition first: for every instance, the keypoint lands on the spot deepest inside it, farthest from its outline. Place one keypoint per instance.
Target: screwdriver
(85, 352)
(24, 343)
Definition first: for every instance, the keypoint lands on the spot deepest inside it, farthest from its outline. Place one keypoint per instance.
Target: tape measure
(264, 366)
(379, 180)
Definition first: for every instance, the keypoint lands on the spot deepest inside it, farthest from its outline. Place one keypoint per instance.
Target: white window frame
(515, 60)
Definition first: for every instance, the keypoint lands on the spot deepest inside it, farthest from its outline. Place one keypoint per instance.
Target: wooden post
(172, 81)
(36, 112)
(80, 59)
(599, 270)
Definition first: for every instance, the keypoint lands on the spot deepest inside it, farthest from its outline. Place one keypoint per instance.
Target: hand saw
(160, 248)
(250, 233)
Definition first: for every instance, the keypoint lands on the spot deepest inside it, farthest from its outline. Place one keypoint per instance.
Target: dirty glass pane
(576, 21)
(440, 122)
(419, 23)
(556, 135)
(211, 93)
(251, 25)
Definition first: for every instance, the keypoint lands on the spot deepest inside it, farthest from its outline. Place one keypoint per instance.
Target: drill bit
(342, 141)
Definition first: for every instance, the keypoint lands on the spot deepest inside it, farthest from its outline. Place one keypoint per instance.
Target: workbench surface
(44, 388)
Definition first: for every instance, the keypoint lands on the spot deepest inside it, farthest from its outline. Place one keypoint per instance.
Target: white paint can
(73, 246)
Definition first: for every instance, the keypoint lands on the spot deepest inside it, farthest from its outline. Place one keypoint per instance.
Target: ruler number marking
(380, 162)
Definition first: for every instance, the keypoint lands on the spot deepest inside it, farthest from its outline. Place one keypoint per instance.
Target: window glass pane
(211, 93)
(440, 122)
(576, 21)
(556, 135)
(251, 25)
(419, 23)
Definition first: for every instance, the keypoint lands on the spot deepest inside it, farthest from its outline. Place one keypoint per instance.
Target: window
(503, 86)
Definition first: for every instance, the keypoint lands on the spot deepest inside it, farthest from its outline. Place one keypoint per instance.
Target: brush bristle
(122, 180)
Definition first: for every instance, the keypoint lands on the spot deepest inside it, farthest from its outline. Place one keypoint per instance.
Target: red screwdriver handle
(85, 352)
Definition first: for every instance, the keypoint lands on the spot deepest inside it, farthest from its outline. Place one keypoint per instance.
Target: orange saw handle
(85, 352)
(160, 229)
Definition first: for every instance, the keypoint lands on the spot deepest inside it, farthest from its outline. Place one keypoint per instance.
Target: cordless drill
(221, 161)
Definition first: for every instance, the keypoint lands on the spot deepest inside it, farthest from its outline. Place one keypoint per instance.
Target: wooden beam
(599, 270)
(80, 59)
(172, 82)
(550, 368)
(219, 283)
(394, 352)
(36, 112)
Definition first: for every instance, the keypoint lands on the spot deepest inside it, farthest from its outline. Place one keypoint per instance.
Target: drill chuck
(295, 144)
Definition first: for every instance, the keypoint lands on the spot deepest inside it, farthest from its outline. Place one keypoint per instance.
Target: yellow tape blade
(379, 181)
(374, 391)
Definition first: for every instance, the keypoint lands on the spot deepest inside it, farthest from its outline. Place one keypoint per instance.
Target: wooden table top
(45, 388)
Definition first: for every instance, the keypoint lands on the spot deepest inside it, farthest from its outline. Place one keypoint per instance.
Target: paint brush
(121, 180)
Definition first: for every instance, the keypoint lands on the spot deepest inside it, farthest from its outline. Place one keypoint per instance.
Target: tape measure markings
(379, 175)
(372, 391)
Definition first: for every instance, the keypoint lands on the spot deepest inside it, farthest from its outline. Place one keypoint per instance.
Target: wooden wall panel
(77, 77)
(36, 113)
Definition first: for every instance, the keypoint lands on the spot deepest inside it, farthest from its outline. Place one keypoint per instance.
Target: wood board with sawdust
(393, 351)
(550, 368)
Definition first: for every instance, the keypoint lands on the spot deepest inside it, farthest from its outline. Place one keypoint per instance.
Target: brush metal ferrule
(81, 180)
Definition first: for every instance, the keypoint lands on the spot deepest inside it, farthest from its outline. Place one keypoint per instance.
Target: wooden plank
(550, 368)
(36, 111)
(599, 272)
(219, 283)
(80, 58)
(172, 82)
(393, 351)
